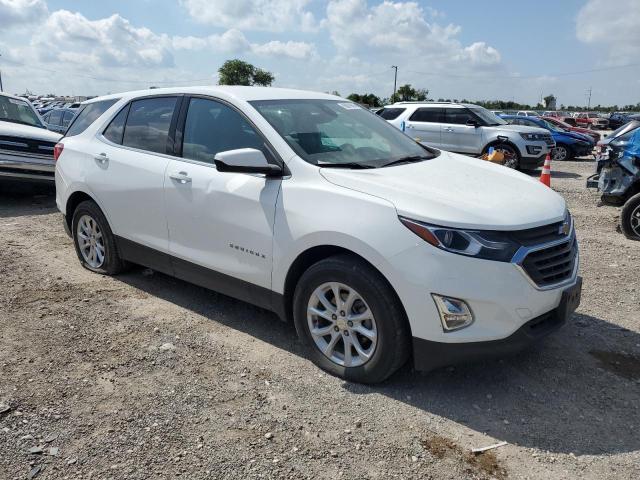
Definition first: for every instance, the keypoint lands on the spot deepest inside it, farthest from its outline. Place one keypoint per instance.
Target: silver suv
(469, 129)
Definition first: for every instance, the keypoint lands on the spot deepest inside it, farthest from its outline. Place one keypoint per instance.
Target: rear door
(219, 222)
(456, 135)
(129, 164)
(424, 125)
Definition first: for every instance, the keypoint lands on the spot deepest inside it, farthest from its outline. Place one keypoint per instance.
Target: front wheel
(562, 152)
(630, 218)
(351, 320)
(511, 155)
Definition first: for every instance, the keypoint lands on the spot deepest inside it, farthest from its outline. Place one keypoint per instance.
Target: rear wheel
(630, 218)
(351, 320)
(95, 243)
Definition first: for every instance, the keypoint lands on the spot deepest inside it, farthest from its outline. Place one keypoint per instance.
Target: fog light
(454, 313)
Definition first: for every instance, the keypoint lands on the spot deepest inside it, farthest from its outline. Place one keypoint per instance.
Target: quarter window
(88, 115)
(430, 115)
(148, 124)
(212, 127)
(115, 130)
(390, 113)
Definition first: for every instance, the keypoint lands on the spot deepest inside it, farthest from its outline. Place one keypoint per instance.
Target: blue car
(568, 144)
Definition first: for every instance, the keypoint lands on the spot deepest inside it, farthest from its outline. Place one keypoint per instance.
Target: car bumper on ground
(429, 355)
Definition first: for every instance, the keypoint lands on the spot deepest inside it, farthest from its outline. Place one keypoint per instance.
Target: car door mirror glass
(245, 160)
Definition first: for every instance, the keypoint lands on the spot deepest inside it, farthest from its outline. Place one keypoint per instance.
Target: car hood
(457, 191)
(26, 131)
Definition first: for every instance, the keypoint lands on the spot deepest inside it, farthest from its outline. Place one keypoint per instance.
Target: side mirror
(473, 123)
(246, 160)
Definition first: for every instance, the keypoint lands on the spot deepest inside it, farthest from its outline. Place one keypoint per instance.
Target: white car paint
(278, 219)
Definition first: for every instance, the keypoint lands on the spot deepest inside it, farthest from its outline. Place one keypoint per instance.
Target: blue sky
(457, 49)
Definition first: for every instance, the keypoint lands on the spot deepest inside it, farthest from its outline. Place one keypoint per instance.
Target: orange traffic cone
(545, 176)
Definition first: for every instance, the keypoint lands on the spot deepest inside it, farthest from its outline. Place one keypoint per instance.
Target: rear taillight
(57, 151)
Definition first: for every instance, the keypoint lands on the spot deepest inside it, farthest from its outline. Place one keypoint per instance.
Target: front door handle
(448, 129)
(181, 177)
(102, 159)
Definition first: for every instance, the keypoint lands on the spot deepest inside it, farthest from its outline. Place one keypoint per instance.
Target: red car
(562, 124)
(591, 120)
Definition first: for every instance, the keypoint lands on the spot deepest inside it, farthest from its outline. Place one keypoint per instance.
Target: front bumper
(429, 355)
(531, 163)
(27, 166)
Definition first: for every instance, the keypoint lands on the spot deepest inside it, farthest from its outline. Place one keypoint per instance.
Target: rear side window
(148, 124)
(54, 118)
(430, 115)
(212, 127)
(390, 113)
(88, 115)
(66, 118)
(458, 116)
(115, 130)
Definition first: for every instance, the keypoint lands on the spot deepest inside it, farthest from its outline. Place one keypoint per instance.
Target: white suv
(469, 129)
(378, 248)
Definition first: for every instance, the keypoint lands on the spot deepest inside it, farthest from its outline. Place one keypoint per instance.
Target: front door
(457, 136)
(220, 223)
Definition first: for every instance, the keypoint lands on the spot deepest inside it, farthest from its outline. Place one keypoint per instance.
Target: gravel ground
(144, 376)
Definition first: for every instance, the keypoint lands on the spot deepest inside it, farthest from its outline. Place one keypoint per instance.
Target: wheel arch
(495, 142)
(314, 254)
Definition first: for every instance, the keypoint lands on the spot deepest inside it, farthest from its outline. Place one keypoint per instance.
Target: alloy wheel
(560, 153)
(634, 219)
(90, 241)
(341, 324)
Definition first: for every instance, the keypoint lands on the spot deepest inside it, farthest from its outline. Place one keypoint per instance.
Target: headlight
(484, 244)
(533, 136)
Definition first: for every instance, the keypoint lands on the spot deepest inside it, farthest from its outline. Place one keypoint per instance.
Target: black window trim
(182, 119)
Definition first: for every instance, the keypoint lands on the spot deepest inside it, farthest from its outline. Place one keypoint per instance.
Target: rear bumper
(429, 355)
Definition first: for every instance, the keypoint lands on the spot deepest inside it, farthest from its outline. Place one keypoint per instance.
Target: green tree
(238, 72)
(406, 93)
(368, 99)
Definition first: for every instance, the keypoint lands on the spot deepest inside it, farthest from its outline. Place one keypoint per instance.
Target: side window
(46, 117)
(148, 124)
(55, 117)
(213, 127)
(88, 115)
(115, 130)
(459, 116)
(431, 115)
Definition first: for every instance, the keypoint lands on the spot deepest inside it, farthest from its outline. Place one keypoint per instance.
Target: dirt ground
(143, 376)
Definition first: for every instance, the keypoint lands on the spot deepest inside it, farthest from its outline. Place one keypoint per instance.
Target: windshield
(339, 133)
(18, 111)
(487, 117)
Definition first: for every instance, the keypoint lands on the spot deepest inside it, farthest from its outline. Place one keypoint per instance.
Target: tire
(90, 215)
(377, 301)
(630, 218)
(507, 148)
(562, 152)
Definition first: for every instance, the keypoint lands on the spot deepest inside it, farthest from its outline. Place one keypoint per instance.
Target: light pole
(395, 80)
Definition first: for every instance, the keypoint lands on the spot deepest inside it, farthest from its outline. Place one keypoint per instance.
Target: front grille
(538, 235)
(26, 145)
(552, 265)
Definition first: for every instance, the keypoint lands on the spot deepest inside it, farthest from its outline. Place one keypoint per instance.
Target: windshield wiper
(409, 159)
(352, 165)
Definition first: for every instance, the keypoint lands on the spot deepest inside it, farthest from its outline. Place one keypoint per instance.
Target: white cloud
(108, 42)
(395, 31)
(234, 41)
(268, 15)
(617, 28)
(21, 12)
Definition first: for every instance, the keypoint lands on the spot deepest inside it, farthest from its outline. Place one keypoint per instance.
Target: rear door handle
(181, 177)
(102, 159)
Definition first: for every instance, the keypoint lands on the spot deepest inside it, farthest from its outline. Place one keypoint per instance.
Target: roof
(226, 92)
(448, 104)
